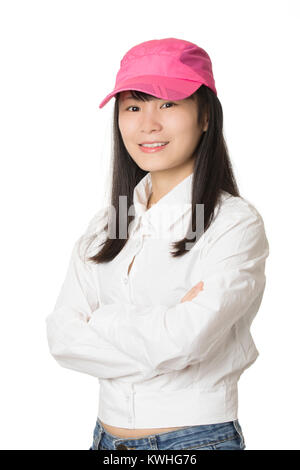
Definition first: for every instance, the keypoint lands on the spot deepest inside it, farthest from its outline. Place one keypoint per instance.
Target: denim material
(220, 436)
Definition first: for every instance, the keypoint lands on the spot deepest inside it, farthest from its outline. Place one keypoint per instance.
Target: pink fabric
(166, 68)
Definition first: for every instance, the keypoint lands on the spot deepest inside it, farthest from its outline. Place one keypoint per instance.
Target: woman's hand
(193, 292)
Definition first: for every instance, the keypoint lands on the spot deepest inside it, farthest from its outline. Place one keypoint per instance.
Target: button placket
(146, 230)
(137, 243)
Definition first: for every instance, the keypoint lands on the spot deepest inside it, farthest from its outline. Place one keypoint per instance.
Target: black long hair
(212, 173)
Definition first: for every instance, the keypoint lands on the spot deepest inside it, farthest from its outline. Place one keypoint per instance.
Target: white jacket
(161, 362)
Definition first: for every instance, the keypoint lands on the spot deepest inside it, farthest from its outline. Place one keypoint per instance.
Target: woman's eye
(169, 102)
(131, 107)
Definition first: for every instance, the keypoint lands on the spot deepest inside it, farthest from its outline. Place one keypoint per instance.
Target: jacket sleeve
(171, 338)
(73, 343)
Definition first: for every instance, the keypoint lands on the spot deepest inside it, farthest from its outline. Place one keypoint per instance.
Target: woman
(162, 288)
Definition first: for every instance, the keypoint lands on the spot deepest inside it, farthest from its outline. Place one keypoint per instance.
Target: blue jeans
(220, 436)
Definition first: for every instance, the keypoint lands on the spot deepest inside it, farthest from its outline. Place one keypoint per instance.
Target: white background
(58, 60)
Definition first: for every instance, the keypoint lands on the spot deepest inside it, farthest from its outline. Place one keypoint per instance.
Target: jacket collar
(169, 209)
(173, 205)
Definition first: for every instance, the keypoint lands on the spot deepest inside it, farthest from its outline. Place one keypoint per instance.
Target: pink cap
(170, 69)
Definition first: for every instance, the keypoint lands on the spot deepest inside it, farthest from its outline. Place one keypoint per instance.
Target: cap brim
(165, 88)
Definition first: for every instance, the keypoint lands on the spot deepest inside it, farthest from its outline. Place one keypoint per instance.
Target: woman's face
(159, 120)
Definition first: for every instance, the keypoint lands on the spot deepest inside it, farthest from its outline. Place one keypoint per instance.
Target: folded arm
(122, 339)
(73, 343)
(165, 339)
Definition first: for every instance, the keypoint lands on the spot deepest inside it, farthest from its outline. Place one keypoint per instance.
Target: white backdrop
(58, 61)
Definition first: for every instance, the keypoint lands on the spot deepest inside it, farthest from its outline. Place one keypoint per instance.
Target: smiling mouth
(154, 146)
